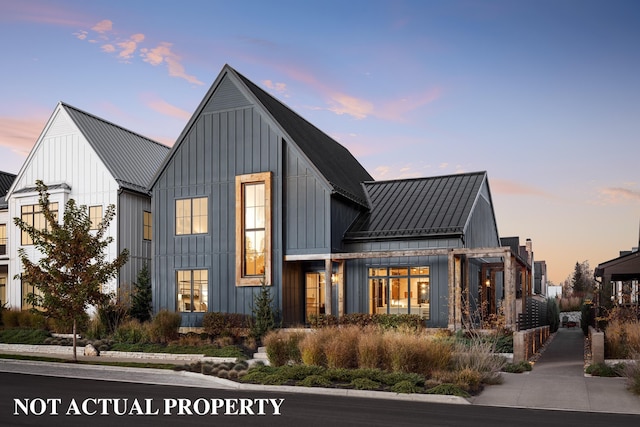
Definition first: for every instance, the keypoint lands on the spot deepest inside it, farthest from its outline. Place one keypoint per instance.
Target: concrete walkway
(557, 381)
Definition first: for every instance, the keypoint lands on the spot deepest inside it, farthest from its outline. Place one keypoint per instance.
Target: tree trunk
(75, 356)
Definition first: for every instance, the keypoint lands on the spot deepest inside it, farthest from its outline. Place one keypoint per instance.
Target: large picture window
(400, 290)
(193, 290)
(33, 215)
(253, 229)
(191, 216)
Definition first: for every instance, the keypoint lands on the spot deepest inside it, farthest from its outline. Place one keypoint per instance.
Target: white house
(97, 163)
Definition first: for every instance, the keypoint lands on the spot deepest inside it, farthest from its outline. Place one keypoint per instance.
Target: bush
(24, 336)
(165, 326)
(448, 389)
(312, 347)
(371, 350)
(553, 314)
(367, 384)
(282, 347)
(132, 332)
(516, 368)
(110, 316)
(314, 381)
(417, 353)
(264, 315)
(406, 387)
(225, 324)
(604, 370)
(342, 350)
(632, 372)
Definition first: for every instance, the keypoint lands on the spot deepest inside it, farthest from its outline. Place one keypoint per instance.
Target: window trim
(3, 240)
(192, 292)
(241, 181)
(206, 222)
(36, 210)
(147, 228)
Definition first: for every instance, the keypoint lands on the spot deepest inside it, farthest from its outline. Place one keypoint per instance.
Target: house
(621, 277)
(6, 179)
(97, 163)
(252, 194)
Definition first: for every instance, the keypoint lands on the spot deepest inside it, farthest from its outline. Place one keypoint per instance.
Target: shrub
(516, 368)
(406, 387)
(469, 380)
(111, 315)
(371, 349)
(225, 324)
(314, 381)
(263, 313)
(448, 389)
(366, 384)
(132, 332)
(24, 336)
(282, 347)
(416, 353)
(478, 354)
(10, 318)
(312, 347)
(553, 314)
(632, 372)
(604, 370)
(165, 326)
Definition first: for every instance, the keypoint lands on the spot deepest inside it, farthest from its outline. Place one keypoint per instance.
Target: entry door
(314, 295)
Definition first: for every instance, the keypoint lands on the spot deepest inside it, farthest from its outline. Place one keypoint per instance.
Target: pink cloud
(163, 107)
(163, 53)
(43, 12)
(501, 186)
(20, 134)
(341, 103)
(129, 46)
(397, 110)
(615, 195)
(108, 48)
(103, 26)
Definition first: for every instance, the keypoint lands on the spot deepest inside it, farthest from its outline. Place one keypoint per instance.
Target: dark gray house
(252, 193)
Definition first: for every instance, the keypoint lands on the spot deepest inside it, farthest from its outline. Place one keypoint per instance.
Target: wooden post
(328, 296)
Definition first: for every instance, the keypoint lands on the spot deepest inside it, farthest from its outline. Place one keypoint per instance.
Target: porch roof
(626, 267)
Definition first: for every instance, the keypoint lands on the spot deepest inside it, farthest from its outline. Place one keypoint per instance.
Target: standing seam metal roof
(334, 161)
(6, 179)
(419, 207)
(131, 158)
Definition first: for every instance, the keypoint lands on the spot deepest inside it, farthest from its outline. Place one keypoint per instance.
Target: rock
(90, 350)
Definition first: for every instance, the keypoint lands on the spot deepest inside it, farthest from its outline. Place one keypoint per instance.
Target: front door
(314, 295)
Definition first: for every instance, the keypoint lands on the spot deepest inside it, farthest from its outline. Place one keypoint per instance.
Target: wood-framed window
(192, 290)
(3, 289)
(33, 215)
(28, 288)
(95, 215)
(253, 229)
(3, 239)
(146, 225)
(191, 216)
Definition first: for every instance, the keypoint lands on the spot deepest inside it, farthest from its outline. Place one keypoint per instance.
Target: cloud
(344, 104)
(614, 195)
(81, 35)
(163, 107)
(280, 88)
(163, 53)
(397, 110)
(108, 48)
(129, 46)
(501, 186)
(103, 26)
(19, 134)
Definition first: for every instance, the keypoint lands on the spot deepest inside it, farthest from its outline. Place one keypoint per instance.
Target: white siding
(61, 156)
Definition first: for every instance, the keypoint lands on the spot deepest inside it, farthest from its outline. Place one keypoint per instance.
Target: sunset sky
(543, 95)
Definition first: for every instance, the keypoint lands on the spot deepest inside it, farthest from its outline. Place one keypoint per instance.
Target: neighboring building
(540, 278)
(82, 157)
(6, 179)
(621, 275)
(252, 193)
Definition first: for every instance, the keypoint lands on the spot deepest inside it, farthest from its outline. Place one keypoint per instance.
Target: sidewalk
(557, 381)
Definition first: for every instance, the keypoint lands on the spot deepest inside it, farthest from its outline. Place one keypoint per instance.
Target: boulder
(90, 350)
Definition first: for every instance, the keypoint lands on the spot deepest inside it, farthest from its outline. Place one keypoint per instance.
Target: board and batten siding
(219, 146)
(481, 231)
(62, 156)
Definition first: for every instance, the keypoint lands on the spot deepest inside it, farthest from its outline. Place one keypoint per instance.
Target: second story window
(191, 216)
(95, 215)
(3, 239)
(146, 225)
(33, 215)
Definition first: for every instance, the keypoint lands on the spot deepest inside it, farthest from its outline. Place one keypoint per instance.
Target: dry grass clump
(416, 353)
(479, 355)
(341, 350)
(622, 338)
(312, 347)
(283, 346)
(570, 304)
(372, 352)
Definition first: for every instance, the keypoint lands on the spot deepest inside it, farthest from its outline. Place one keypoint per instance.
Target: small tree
(73, 268)
(263, 313)
(141, 298)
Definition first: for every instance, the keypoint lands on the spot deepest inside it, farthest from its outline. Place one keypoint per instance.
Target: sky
(542, 95)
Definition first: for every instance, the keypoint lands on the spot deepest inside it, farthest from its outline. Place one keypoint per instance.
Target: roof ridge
(108, 122)
(423, 178)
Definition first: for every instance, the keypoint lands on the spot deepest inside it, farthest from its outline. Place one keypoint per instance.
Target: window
(191, 216)
(253, 229)
(33, 215)
(3, 239)
(3, 289)
(193, 289)
(28, 288)
(95, 215)
(400, 290)
(146, 225)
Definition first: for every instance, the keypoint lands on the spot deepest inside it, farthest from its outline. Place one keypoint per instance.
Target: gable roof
(334, 162)
(625, 267)
(6, 179)
(132, 159)
(422, 207)
(343, 172)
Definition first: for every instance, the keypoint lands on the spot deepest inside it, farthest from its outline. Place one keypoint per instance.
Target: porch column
(455, 292)
(451, 284)
(328, 296)
(340, 285)
(509, 291)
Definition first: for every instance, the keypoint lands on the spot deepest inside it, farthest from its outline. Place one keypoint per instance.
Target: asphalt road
(157, 405)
